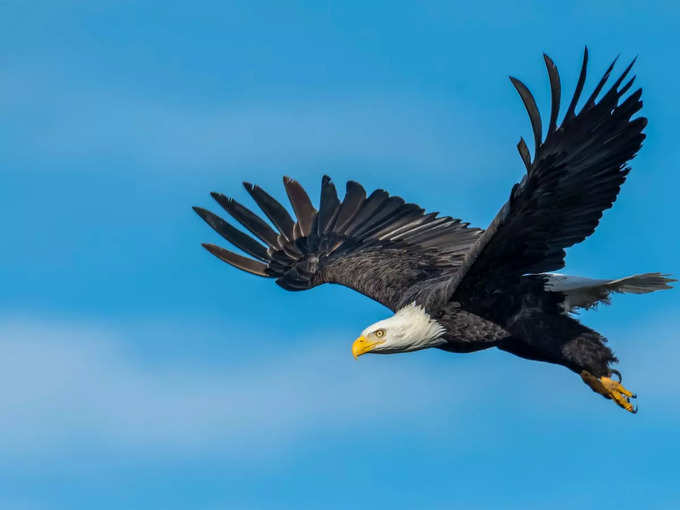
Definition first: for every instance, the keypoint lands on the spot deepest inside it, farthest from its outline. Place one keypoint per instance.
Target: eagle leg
(609, 388)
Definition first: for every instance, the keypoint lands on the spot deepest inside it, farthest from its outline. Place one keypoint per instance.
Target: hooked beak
(362, 346)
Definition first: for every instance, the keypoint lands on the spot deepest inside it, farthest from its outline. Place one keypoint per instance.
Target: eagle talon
(611, 389)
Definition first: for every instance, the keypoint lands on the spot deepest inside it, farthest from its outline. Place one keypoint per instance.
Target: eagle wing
(377, 245)
(575, 175)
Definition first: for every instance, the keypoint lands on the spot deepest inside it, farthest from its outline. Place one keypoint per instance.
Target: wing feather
(302, 205)
(532, 109)
(354, 199)
(276, 213)
(579, 88)
(329, 205)
(238, 261)
(555, 91)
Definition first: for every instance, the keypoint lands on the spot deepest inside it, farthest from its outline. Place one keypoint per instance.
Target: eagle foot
(609, 388)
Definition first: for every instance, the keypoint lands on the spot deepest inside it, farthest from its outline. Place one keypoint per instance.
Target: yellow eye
(380, 333)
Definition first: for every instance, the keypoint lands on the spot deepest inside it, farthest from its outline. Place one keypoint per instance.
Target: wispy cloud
(71, 116)
(70, 385)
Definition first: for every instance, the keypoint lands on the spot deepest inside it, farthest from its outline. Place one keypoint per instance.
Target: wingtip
(353, 184)
(213, 249)
(668, 277)
(224, 201)
(610, 68)
(524, 153)
(248, 186)
(519, 85)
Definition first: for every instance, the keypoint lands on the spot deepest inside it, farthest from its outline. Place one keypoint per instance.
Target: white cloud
(69, 386)
(67, 114)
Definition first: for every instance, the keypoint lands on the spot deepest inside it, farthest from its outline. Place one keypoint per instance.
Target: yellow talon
(609, 388)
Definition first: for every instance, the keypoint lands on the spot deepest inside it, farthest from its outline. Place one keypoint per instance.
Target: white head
(410, 329)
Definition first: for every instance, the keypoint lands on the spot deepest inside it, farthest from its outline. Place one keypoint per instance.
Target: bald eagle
(463, 289)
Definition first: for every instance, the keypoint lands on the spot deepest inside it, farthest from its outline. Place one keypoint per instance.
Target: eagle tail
(587, 293)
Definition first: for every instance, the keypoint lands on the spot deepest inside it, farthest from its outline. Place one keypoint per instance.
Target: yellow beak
(362, 346)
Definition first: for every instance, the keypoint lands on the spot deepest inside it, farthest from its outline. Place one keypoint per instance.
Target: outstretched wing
(575, 175)
(378, 245)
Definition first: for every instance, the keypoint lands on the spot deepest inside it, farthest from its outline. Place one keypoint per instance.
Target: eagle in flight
(463, 289)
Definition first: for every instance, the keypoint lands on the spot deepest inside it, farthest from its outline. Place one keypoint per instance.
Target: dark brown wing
(576, 174)
(378, 245)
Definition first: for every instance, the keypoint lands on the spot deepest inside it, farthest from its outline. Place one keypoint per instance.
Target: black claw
(635, 410)
(634, 395)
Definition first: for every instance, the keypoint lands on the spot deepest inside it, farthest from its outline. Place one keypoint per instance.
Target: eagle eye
(380, 333)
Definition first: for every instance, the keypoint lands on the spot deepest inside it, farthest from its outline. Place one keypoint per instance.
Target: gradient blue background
(137, 371)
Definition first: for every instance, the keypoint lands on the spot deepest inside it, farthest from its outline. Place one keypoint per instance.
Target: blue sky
(140, 372)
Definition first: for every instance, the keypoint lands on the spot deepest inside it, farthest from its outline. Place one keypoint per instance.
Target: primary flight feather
(464, 289)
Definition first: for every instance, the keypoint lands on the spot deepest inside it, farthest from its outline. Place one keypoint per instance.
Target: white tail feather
(586, 293)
